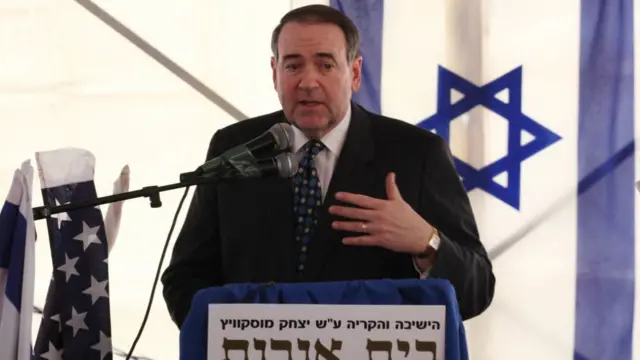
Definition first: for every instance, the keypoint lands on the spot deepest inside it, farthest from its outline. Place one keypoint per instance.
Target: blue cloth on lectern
(193, 334)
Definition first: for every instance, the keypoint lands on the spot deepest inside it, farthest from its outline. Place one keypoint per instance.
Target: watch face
(435, 243)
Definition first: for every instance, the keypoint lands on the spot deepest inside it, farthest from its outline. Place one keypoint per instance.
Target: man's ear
(274, 64)
(356, 71)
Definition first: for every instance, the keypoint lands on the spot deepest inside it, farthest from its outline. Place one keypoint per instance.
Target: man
(373, 198)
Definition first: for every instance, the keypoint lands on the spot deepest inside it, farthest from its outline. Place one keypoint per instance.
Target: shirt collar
(333, 140)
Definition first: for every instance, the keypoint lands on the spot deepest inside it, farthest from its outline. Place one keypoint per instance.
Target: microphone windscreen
(283, 134)
(287, 164)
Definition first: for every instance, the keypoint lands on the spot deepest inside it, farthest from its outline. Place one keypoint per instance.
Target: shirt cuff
(422, 274)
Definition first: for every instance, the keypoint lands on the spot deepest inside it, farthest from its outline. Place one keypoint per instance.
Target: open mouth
(310, 103)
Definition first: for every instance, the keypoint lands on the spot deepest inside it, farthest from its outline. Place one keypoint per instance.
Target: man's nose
(309, 79)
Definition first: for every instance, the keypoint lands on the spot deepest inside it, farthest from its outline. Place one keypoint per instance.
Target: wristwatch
(432, 246)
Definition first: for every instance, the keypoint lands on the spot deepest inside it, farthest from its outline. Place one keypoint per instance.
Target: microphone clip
(241, 164)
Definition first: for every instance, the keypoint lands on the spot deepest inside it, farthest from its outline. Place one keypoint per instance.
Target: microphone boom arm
(240, 167)
(152, 192)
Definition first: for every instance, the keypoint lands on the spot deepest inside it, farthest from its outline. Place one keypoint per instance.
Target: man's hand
(390, 223)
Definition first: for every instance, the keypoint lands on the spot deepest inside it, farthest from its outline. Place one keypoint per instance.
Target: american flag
(76, 317)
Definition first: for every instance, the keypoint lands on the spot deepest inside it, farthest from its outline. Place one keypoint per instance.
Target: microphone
(278, 137)
(284, 165)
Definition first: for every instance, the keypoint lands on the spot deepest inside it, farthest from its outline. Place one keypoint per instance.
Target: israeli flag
(17, 268)
(537, 102)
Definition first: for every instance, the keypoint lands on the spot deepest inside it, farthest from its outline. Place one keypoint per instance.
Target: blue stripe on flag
(367, 15)
(606, 221)
(13, 234)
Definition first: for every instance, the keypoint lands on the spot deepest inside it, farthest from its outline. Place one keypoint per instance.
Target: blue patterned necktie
(307, 199)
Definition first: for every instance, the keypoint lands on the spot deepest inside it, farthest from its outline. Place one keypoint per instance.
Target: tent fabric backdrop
(548, 85)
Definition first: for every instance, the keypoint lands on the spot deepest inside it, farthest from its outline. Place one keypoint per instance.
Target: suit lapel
(352, 174)
(276, 201)
(281, 212)
(278, 197)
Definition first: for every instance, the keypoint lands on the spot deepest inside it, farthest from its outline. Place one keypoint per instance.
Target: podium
(400, 316)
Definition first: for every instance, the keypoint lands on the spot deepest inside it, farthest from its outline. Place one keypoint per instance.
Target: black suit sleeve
(195, 261)
(461, 257)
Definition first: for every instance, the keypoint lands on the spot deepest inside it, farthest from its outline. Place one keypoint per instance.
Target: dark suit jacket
(242, 231)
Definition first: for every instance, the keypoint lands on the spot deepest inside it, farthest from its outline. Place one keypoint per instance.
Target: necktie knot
(313, 147)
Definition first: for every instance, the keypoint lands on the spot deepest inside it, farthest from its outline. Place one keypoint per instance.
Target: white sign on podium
(331, 332)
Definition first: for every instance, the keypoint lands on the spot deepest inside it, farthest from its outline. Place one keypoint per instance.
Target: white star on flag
(53, 353)
(77, 321)
(88, 236)
(69, 267)
(63, 216)
(97, 290)
(103, 346)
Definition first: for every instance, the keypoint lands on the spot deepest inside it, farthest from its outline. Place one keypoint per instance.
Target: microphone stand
(152, 192)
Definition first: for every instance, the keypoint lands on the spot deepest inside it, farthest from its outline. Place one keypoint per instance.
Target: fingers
(352, 213)
(366, 240)
(353, 226)
(362, 201)
(393, 193)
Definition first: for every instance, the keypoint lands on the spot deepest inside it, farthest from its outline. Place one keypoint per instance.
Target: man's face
(312, 76)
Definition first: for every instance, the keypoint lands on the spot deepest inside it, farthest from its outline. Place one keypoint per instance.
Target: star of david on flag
(518, 151)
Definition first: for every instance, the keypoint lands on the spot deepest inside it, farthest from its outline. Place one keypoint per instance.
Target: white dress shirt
(326, 159)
